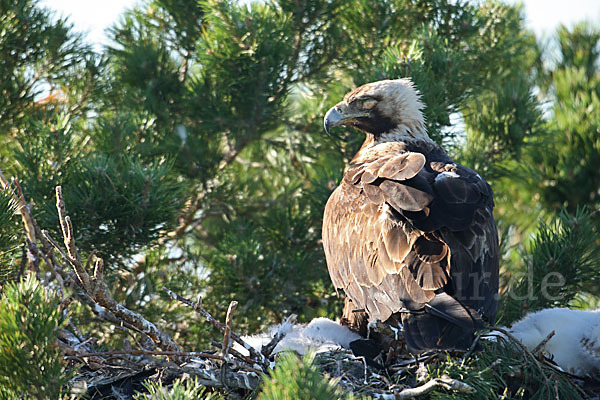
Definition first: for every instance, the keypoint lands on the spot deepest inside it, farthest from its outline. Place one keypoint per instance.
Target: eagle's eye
(367, 104)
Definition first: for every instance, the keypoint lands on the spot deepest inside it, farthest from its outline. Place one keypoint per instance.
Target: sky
(543, 16)
(93, 16)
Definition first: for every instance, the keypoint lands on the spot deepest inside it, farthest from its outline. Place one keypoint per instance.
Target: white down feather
(320, 335)
(575, 346)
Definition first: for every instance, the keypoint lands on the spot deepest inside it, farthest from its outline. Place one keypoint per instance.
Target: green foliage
(265, 265)
(209, 114)
(498, 126)
(8, 237)
(30, 360)
(579, 47)
(502, 370)
(118, 206)
(35, 49)
(565, 160)
(179, 390)
(446, 49)
(44, 153)
(561, 262)
(235, 50)
(300, 378)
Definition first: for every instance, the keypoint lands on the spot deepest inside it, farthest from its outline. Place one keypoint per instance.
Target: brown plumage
(409, 234)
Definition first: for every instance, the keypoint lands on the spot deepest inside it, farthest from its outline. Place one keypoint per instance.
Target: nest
(504, 367)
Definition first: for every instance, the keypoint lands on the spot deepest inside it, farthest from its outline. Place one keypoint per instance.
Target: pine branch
(525, 350)
(563, 258)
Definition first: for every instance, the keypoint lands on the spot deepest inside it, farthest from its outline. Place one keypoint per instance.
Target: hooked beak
(342, 114)
(333, 118)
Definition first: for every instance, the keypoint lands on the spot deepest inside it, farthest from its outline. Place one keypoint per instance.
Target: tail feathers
(445, 324)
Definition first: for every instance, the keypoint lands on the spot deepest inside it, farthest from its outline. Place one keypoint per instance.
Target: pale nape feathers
(400, 102)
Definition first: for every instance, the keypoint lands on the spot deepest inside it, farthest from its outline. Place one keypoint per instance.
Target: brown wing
(380, 261)
(394, 235)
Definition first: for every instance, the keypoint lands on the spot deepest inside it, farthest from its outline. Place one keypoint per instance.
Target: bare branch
(99, 270)
(445, 382)
(28, 222)
(198, 308)
(543, 343)
(151, 352)
(96, 288)
(178, 354)
(228, 325)
(206, 377)
(234, 353)
(267, 349)
(66, 225)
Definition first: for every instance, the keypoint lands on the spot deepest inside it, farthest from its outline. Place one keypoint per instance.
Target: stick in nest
(543, 343)
(525, 349)
(444, 382)
(267, 349)
(196, 354)
(95, 287)
(234, 353)
(228, 327)
(199, 309)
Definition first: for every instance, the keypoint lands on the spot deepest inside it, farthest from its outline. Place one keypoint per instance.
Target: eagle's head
(388, 110)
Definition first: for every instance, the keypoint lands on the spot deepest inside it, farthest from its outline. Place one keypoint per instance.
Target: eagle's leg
(358, 320)
(354, 318)
(386, 340)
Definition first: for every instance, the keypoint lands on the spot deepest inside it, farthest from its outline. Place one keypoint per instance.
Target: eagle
(409, 234)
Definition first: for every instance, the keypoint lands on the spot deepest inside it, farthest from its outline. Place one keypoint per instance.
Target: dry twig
(33, 233)
(444, 382)
(228, 327)
(207, 377)
(543, 343)
(268, 348)
(25, 212)
(95, 287)
(234, 353)
(199, 309)
(179, 354)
